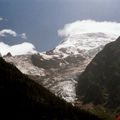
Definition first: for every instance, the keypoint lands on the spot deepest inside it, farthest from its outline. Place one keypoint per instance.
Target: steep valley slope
(100, 82)
(22, 98)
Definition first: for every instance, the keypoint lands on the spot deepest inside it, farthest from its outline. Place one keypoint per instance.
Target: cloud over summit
(89, 26)
(75, 29)
(87, 36)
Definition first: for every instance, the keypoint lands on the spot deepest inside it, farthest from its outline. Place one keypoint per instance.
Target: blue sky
(41, 19)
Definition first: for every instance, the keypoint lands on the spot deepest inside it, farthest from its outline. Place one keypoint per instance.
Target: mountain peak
(87, 44)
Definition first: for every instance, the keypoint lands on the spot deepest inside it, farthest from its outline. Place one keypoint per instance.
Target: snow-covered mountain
(86, 44)
(57, 69)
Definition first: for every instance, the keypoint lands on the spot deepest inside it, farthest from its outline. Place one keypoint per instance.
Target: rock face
(58, 69)
(100, 82)
(8, 54)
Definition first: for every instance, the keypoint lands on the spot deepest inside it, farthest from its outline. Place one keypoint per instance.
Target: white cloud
(6, 32)
(89, 26)
(23, 35)
(1, 18)
(19, 49)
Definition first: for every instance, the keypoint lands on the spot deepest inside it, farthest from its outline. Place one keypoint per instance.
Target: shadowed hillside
(22, 98)
(100, 83)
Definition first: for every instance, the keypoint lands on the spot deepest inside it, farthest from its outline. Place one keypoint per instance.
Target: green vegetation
(103, 113)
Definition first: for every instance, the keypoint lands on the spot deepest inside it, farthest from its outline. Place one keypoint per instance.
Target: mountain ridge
(59, 68)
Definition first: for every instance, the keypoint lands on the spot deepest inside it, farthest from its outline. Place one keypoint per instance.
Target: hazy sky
(39, 20)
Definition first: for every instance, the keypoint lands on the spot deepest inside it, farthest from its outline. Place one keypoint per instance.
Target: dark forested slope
(100, 83)
(22, 98)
